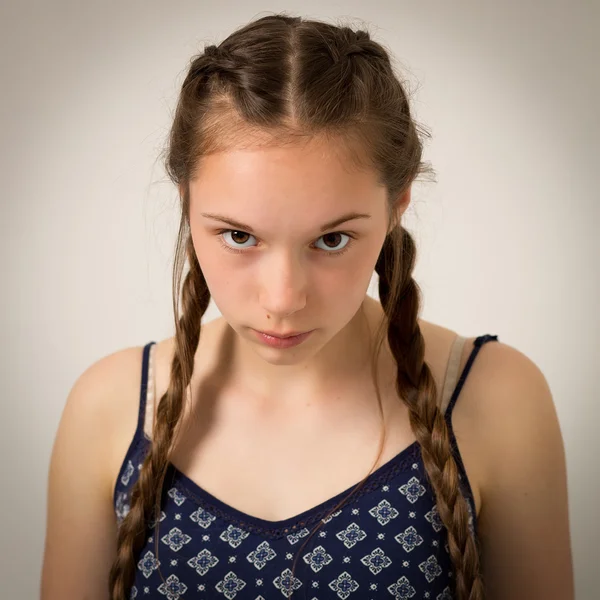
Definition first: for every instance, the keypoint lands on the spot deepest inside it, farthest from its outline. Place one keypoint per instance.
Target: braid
(147, 491)
(400, 298)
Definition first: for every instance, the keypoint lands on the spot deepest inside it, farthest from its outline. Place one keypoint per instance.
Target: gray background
(507, 245)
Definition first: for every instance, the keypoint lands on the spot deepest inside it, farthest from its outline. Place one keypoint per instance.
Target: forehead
(310, 183)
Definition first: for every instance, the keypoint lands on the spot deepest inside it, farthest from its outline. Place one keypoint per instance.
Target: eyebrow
(330, 225)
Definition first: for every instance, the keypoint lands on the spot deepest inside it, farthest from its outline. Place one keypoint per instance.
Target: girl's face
(263, 225)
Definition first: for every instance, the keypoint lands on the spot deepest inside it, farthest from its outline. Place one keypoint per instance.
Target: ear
(401, 203)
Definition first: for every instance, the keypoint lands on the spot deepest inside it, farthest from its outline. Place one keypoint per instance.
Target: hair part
(279, 80)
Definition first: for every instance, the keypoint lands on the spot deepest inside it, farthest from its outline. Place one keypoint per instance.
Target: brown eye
(333, 240)
(335, 237)
(235, 235)
(236, 239)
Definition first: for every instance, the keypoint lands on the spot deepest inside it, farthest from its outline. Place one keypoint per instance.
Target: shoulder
(104, 404)
(502, 384)
(505, 399)
(513, 407)
(523, 479)
(102, 385)
(507, 390)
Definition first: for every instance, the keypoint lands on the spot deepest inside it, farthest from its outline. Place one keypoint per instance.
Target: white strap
(150, 393)
(452, 373)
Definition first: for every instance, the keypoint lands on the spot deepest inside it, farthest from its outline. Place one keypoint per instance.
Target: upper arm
(524, 522)
(81, 529)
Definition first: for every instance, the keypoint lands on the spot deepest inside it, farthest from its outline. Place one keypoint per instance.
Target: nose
(283, 286)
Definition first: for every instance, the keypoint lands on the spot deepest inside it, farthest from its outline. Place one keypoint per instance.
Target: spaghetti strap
(144, 389)
(477, 344)
(479, 341)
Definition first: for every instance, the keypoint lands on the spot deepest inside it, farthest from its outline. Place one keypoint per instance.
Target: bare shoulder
(514, 410)
(513, 448)
(110, 390)
(107, 396)
(505, 395)
(81, 523)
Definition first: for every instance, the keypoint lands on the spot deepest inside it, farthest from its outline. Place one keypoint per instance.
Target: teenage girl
(312, 442)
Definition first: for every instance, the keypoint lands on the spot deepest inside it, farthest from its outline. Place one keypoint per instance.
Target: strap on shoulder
(146, 390)
(477, 344)
(150, 394)
(451, 376)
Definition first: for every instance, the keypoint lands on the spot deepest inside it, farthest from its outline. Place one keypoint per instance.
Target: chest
(276, 468)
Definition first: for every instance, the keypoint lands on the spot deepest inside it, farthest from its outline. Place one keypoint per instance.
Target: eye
(332, 238)
(234, 246)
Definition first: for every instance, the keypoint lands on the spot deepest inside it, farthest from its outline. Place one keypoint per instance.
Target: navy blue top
(386, 542)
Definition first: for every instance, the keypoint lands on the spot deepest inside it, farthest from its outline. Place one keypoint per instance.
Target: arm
(81, 531)
(524, 522)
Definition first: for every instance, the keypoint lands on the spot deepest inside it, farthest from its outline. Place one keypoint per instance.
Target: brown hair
(281, 78)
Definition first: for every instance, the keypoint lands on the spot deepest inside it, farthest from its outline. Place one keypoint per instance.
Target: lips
(281, 342)
(282, 335)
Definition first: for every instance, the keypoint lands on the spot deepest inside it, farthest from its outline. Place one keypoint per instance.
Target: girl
(309, 442)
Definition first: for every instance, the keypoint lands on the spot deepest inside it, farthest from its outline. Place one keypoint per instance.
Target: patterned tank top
(387, 541)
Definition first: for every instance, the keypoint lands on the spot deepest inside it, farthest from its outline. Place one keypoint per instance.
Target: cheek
(353, 282)
(209, 262)
(344, 283)
(228, 282)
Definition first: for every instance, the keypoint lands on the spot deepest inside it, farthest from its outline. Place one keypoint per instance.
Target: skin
(287, 276)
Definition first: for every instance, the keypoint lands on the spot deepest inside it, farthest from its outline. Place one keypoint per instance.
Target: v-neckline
(400, 462)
